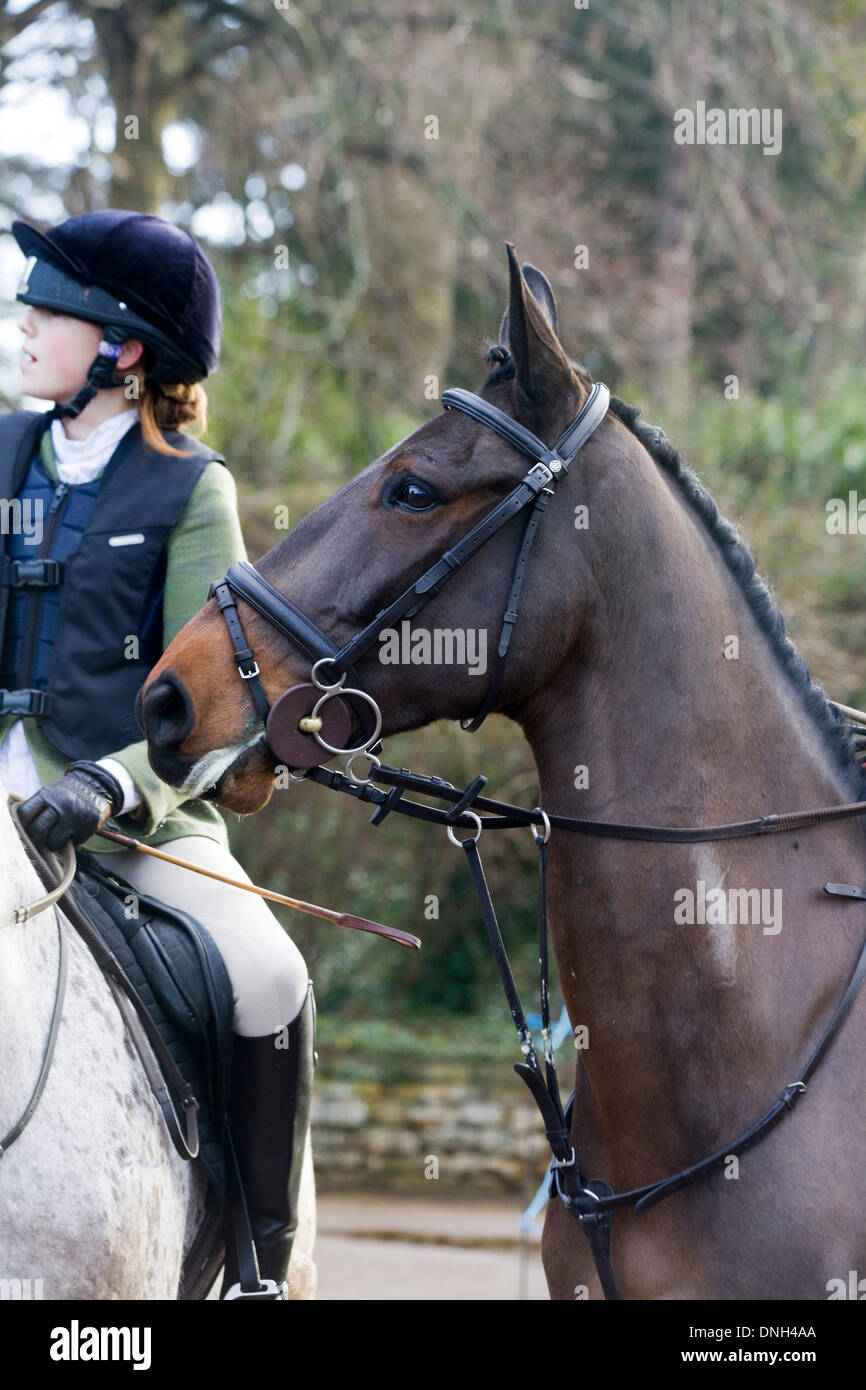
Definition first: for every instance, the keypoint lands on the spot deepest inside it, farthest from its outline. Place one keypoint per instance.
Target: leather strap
(646, 1197)
(245, 1250)
(128, 1003)
(63, 871)
(502, 815)
(431, 581)
(567, 446)
(595, 1222)
(279, 611)
(48, 1055)
(550, 466)
(509, 618)
(580, 1196)
(248, 667)
(515, 434)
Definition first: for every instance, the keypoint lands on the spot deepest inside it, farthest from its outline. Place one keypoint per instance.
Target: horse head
(346, 562)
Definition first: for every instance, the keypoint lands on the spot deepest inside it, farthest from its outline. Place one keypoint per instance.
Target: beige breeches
(266, 969)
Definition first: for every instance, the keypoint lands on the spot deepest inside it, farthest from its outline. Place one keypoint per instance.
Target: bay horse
(95, 1203)
(651, 674)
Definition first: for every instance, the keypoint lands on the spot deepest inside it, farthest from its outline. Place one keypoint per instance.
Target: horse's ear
(529, 328)
(540, 286)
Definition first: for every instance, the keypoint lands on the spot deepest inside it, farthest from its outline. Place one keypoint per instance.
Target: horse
(652, 676)
(95, 1202)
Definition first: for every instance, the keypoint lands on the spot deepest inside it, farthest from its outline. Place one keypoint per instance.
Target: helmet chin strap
(99, 378)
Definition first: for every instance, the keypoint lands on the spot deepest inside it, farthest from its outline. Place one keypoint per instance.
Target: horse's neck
(675, 724)
(28, 974)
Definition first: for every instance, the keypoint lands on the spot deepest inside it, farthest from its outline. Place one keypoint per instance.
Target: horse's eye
(414, 496)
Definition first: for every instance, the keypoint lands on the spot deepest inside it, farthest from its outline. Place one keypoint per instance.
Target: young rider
(134, 518)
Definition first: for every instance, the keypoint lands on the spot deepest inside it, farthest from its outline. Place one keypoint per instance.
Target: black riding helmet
(137, 277)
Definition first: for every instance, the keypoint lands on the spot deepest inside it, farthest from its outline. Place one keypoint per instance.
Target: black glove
(72, 808)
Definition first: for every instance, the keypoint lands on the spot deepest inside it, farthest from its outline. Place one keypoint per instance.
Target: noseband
(307, 722)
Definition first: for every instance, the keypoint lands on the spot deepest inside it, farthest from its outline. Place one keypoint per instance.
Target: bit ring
(469, 840)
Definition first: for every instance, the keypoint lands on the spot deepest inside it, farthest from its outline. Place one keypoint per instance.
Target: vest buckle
(40, 574)
(34, 703)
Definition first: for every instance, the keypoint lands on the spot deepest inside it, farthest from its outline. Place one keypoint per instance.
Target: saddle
(173, 991)
(179, 976)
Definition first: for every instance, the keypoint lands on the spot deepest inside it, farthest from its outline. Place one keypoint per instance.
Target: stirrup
(269, 1291)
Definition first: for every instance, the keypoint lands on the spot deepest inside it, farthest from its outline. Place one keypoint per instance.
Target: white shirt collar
(81, 460)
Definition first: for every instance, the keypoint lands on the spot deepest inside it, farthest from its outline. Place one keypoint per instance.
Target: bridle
(532, 494)
(291, 731)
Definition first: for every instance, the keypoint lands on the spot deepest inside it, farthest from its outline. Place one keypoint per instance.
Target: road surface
(444, 1248)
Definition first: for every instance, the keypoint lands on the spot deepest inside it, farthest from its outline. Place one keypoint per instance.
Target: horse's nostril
(167, 712)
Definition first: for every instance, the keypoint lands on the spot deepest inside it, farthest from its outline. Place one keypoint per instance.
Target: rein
(64, 872)
(297, 739)
(144, 1033)
(504, 816)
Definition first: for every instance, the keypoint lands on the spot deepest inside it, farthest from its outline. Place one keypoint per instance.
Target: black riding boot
(269, 1115)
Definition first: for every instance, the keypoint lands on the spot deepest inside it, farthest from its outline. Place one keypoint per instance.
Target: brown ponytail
(170, 406)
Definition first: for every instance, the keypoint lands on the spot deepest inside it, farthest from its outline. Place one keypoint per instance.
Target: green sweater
(206, 540)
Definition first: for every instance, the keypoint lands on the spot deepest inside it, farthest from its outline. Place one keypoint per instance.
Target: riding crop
(342, 919)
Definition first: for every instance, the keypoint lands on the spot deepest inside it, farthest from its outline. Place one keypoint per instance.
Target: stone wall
(470, 1131)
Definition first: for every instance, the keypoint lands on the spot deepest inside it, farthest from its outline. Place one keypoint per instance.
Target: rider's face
(58, 351)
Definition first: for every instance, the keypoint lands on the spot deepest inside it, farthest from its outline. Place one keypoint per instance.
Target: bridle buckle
(556, 1167)
(541, 473)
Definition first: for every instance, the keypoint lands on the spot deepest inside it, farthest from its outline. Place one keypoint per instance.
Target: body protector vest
(82, 578)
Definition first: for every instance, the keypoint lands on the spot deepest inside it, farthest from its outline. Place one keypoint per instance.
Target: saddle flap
(179, 974)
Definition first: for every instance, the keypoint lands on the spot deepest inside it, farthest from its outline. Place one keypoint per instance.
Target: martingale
(302, 715)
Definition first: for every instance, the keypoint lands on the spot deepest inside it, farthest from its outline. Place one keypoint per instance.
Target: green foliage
(785, 445)
(380, 1048)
